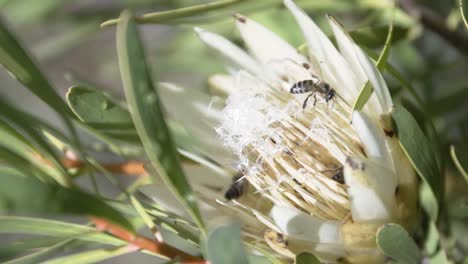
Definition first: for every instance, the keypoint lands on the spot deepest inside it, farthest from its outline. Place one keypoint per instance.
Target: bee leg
(315, 99)
(305, 101)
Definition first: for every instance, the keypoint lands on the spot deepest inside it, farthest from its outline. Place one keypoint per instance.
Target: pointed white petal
(264, 44)
(380, 87)
(334, 67)
(371, 189)
(232, 53)
(221, 84)
(299, 225)
(372, 139)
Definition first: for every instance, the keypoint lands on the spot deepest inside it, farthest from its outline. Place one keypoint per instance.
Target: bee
(237, 187)
(339, 177)
(314, 86)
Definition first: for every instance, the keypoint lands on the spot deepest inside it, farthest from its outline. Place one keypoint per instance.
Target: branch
(436, 23)
(131, 168)
(144, 243)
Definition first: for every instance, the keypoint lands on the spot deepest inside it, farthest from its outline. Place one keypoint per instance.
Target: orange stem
(144, 243)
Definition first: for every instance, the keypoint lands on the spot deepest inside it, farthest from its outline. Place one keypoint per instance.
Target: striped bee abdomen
(302, 87)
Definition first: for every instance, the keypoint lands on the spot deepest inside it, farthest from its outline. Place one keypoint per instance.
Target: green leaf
(92, 256)
(395, 242)
(38, 226)
(20, 247)
(462, 12)
(41, 255)
(367, 90)
(29, 195)
(306, 258)
(98, 109)
(145, 109)
(457, 163)
(373, 36)
(224, 245)
(417, 148)
(16, 60)
(159, 17)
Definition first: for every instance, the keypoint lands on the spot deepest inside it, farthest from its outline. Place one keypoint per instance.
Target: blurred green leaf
(46, 227)
(224, 245)
(20, 247)
(16, 60)
(449, 103)
(395, 242)
(29, 195)
(147, 116)
(29, 11)
(18, 144)
(159, 17)
(92, 256)
(463, 11)
(306, 258)
(373, 36)
(42, 254)
(416, 147)
(367, 90)
(457, 163)
(432, 245)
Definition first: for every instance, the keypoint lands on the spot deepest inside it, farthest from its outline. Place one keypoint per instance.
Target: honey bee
(339, 176)
(237, 187)
(314, 86)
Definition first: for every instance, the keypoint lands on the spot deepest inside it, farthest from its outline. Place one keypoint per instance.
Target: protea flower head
(322, 178)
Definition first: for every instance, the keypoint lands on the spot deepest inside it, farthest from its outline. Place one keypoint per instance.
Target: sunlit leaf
(417, 147)
(395, 242)
(463, 10)
(306, 258)
(143, 101)
(457, 163)
(29, 195)
(38, 226)
(224, 245)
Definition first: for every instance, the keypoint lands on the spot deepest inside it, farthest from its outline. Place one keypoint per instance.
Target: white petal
(371, 190)
(372, 139)
(298, 225)
(221, 84)
(228, 50)
(264, 44)
(380, 87)
(199, 117)
(334, 67)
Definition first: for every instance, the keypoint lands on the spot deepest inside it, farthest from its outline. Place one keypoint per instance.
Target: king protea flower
(321, 179)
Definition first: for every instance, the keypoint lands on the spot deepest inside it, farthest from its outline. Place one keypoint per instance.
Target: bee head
(330, 94)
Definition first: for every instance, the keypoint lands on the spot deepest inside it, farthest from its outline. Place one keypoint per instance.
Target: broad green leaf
(224, 245)
(145, 109)
(45, 227)
(16, 60)
(159, 17)
(457, 163)
(367, 90)
(29, 195)
(306, 258)
(42, 254)
(417, 148)
(98, 109)
(92, 256)
(395, 242)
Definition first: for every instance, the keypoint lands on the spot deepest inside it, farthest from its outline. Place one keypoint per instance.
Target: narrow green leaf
(16, 60)
(462, 12)
(395, 242)
(457, 163)
(159, 17)
(41, 255)
(20, 247)
(417, 147)
(29, 195)
(145, 109)
(306, 258)
(92, 256)
(38, 226)
(367, 90)
(224, 245)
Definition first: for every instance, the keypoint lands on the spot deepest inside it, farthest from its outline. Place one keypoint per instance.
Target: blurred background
(428, 60)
